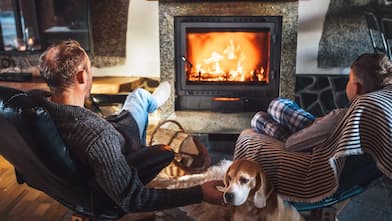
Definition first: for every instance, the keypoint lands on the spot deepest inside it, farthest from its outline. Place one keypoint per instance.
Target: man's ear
(81, 77)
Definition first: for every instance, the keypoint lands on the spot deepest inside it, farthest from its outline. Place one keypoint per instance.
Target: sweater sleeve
(121, 182)
(316, 133)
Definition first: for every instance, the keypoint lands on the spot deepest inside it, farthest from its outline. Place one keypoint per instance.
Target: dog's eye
(243, 180)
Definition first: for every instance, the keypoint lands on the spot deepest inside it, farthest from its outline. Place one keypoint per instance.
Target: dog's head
(243, 179)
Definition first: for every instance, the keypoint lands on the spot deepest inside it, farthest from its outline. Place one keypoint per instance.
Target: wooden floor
(20, 202)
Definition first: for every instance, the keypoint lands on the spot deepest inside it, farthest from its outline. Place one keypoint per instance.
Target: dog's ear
(259, 198)
(226, 179)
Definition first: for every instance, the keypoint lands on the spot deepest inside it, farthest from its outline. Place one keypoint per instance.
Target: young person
(107, 153)
(300, 130)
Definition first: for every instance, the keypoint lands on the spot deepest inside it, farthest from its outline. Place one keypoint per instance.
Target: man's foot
(162, 93)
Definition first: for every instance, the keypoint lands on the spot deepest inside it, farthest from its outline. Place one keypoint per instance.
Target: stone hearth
(211, 122)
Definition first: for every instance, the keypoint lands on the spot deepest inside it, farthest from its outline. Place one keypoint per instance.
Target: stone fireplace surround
(212, 122)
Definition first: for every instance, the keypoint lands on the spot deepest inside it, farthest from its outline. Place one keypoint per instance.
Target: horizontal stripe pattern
(311, 177)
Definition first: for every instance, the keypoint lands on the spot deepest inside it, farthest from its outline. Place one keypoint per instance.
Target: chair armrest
(108, 99)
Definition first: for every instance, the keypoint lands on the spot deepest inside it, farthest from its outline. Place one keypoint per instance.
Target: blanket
(313, 176)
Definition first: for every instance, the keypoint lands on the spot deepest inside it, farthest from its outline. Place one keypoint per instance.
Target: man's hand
(211, 194)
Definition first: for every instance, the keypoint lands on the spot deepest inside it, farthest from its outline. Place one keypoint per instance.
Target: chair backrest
(377, 37)
(30, 141)
(386, 26)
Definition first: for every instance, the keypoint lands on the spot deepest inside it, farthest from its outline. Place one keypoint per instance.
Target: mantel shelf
(101, 85)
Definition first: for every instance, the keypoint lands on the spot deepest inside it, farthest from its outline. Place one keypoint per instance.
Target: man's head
(369, 72)
(65, 66)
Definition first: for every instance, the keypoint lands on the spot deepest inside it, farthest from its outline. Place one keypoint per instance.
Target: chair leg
(323, 214)
(78, 217)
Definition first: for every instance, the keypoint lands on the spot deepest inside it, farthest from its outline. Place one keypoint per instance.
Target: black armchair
(30, 142)
(386, 25)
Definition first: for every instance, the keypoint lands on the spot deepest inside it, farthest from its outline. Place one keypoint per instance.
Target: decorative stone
(339, 83)
(316, 110)
(320, 83)
(308, 99)
(327, 100)
(323, 94)
(303, 82)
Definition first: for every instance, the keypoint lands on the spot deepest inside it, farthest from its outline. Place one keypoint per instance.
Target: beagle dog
(247, 194)
(253, 197)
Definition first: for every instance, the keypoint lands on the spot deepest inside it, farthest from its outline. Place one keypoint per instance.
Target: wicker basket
(191, 155)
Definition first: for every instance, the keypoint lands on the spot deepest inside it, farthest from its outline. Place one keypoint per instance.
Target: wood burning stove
(227, 63)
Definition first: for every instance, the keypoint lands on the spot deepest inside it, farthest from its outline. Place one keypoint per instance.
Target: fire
(227, 56)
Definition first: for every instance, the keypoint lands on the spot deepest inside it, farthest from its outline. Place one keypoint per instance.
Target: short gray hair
(60, 63)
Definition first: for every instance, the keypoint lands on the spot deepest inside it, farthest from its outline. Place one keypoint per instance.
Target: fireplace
(227, 63)
(203, 120)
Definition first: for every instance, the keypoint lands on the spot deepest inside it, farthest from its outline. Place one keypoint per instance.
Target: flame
(227, 56)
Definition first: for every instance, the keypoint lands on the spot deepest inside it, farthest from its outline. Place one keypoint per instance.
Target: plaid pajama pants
(283, 117)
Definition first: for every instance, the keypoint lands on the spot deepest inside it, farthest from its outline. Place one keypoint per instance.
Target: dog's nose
(229, 197)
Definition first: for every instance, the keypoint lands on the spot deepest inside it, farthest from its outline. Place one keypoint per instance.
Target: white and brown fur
(253, 197)
(261, 201)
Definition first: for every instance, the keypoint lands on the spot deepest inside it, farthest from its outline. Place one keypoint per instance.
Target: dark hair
(374, 71)
(60, 63)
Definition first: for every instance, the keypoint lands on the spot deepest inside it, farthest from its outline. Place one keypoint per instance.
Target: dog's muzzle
(229, 197)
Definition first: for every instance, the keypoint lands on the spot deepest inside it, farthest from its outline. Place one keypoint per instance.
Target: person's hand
(211, 194)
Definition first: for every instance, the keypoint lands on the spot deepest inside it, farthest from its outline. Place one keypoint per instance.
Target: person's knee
(279, 104)
(277, 107)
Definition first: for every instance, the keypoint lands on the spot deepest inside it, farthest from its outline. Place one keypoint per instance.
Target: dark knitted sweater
(97, 144)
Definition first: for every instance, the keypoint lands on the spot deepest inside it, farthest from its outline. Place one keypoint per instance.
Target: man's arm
(121, 182)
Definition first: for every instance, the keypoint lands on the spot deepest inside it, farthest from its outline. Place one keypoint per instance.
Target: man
(98, 146)
(299, 129)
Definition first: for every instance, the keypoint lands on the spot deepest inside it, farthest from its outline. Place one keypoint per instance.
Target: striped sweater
(98, 145)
